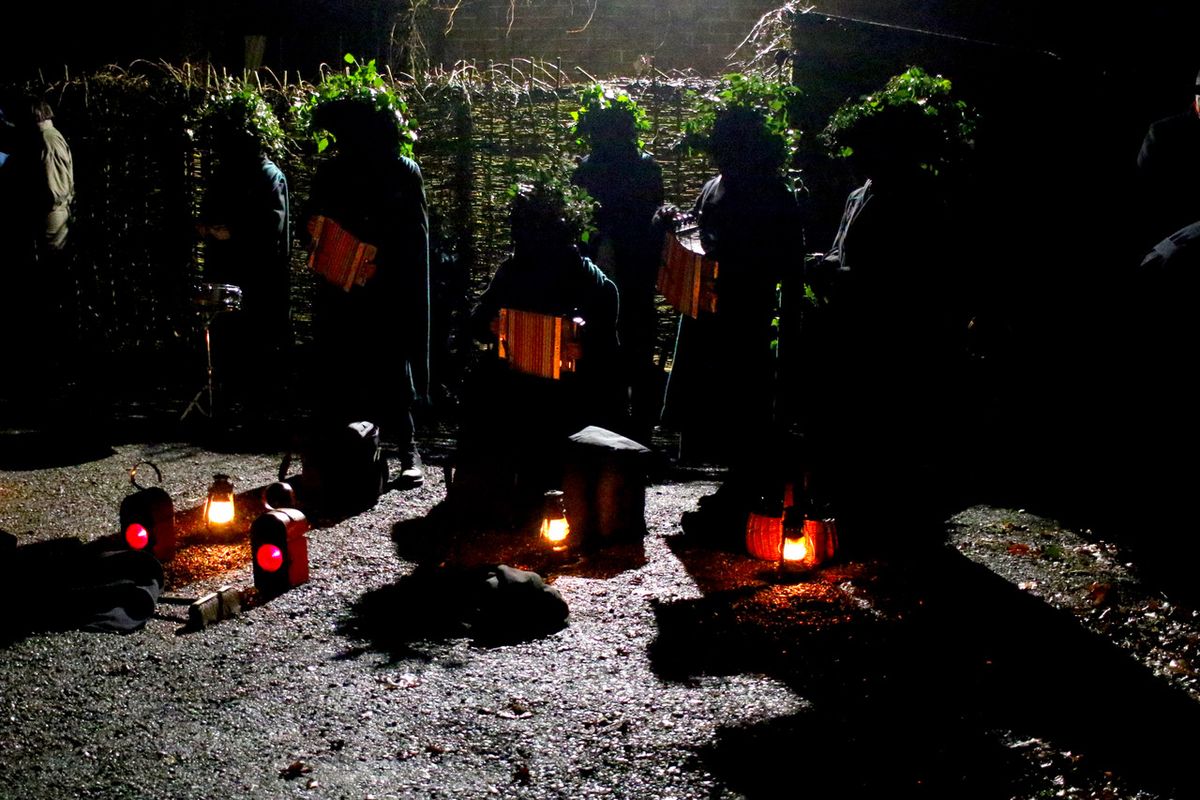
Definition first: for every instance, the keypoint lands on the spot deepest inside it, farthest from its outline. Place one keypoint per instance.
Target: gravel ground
(1021, 660)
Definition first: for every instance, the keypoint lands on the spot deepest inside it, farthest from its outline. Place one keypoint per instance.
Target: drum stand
(207, 388)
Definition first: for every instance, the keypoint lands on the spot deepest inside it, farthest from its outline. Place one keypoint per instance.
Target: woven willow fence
(142, 166)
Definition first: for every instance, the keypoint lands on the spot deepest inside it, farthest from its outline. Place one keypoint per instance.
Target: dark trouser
(359, 372)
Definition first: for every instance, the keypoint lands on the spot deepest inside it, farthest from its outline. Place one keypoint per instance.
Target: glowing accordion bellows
(687, 278)
(339, 256)
(538, 344)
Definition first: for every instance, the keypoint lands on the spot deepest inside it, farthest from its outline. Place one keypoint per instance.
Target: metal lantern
(218, 509)
(279, 550)
(555, 529)
(808, 541)
(147, 517)
(279, 494)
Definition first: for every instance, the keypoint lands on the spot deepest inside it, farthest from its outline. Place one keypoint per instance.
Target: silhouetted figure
(245, 225)
(37, 187)
(884, 350)
(372, 342)
(627, 184)
(1169, 173)
(1153, 398)
(721, 391)
(55, 186)
(514, 423)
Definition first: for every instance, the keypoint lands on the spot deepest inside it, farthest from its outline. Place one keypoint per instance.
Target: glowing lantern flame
(136, 536)
(555, 531)
(795, 549)
(220, 501)
(220, 512)
(269, 557)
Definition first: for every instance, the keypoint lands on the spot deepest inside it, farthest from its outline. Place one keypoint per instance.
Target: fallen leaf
(1098, 593)
(405, 681)
(506, 714)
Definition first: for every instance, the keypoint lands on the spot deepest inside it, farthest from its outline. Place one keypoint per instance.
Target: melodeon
(338, 256)
(538, 344)
(687, 278)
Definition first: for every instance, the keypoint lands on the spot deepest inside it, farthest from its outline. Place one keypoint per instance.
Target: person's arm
(656, 182)
(272, 216)
(1145, 159)
(482, 323)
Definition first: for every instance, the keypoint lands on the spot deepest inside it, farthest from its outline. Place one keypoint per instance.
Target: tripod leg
(208, 387)
(195, 404)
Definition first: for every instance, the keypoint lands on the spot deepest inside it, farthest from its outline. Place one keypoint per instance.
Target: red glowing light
(136, 536)
(269, 557)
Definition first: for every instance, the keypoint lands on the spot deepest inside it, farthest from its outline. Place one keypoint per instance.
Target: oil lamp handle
(133, 473)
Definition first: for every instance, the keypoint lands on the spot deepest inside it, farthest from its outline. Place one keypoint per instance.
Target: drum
(214, 298)
(687, 278)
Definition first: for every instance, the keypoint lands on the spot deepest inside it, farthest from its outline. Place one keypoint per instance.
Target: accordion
(338, 256)
(538, 344)
(687, 278)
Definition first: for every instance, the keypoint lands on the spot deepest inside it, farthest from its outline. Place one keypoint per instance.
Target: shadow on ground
(492, 605)
(454, 591)
(916, 672)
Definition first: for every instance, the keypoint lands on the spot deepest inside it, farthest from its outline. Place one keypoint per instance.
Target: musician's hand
(666, 215)
(219, 232)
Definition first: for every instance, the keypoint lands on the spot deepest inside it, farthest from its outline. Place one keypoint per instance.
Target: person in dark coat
(721, 391)
(372, 342)
(245, 226)
(1168, 167)
(627, 183)
(514, 424)
(889, 342)
(37, 191)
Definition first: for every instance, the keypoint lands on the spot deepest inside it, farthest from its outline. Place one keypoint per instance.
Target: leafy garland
(552, 187)
(596, 98)
(238, 107)
(358, 82)
(952, 121)
(779, 103)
